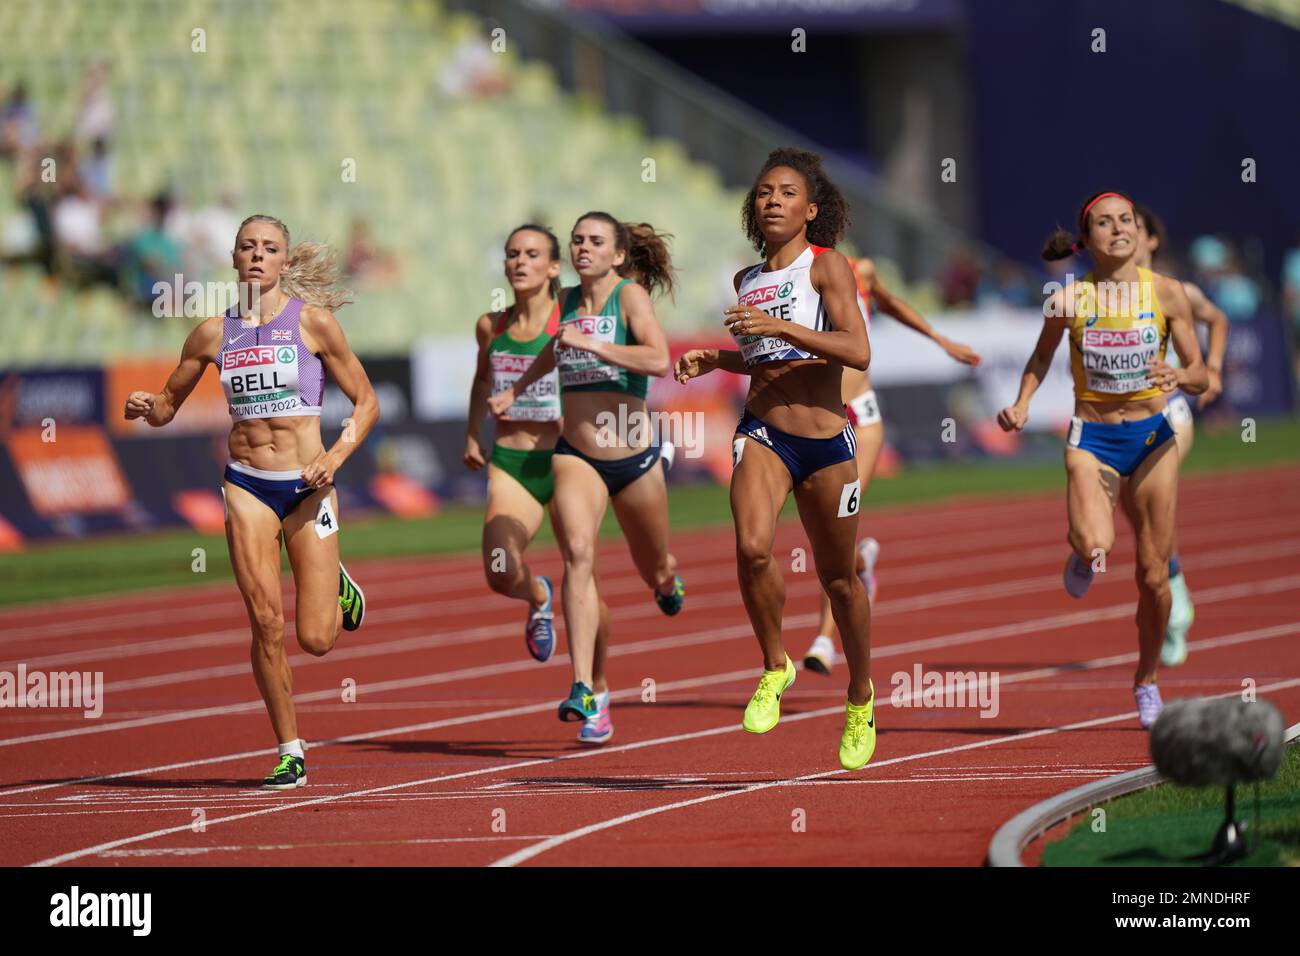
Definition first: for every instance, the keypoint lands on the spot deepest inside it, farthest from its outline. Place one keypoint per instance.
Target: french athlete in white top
(801, 301)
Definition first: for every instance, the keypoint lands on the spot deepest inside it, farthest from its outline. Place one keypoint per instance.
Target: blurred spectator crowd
(78, 227)
(81, 230)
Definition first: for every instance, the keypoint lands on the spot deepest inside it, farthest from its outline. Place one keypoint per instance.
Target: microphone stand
(1230, 842)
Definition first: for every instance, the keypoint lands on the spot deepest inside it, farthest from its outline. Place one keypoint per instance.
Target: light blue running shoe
(1181, 613)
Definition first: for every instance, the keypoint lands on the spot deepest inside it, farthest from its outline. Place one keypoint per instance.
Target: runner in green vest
(519, 470)
(609, 344)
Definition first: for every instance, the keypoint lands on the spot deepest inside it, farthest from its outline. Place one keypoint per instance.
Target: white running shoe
(869, 548)
(1174, 650)
(821, 656)
(1149, 704)
(1078, 576)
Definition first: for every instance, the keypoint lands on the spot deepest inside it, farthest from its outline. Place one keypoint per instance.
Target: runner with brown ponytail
(1119, 317)
(272, 350)
(520, 487)
(609, 345)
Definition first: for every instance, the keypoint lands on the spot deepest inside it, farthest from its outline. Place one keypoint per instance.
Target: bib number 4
(327, 523)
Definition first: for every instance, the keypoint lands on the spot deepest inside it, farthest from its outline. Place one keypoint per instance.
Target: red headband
(1083, 216)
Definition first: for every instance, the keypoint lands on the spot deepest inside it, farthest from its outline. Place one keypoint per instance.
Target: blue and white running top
(266, 370)
(785, 294)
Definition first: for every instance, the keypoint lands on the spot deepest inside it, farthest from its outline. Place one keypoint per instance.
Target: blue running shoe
(1078, 576)
(581, 704)
(539, 632)
(598, 729)
(670, 604)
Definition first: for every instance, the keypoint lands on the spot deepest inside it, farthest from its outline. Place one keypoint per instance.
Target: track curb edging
(1028, 825)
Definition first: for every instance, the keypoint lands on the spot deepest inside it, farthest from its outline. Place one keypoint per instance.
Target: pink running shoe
(598, 729)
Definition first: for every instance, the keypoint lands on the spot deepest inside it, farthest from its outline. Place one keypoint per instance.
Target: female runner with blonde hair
(271, 351)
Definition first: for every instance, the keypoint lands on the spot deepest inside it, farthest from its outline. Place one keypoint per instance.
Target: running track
(451, 753)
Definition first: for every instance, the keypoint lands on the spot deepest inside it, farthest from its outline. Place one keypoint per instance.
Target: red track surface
(451, 754)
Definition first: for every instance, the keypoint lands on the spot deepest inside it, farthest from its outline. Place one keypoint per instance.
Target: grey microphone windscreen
(1200, 742)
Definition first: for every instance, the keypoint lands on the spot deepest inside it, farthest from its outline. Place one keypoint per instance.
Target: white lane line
(918, 602)
(712, 598)
(413, 841)
(528, 853)
(732, 727)
(567, 790)
(1214, 539)
(621, 577)
(626, 694)
(427, 570)
(572, 791)
(964, 637)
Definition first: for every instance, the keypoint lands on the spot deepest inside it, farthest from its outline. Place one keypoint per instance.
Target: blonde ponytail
(312, 274)
(311, 270)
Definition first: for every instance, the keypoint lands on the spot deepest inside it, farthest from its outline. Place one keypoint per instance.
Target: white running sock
(294, 747)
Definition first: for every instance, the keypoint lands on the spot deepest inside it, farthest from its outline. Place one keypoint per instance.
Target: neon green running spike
(764, 708)
(858, 742)
(351, 600)
(289, 773)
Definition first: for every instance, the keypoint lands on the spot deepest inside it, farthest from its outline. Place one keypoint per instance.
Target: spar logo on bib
(785, 290)
(1119, 338)
(604, 325)
(766, 294)
(257, 355)
(286, 355)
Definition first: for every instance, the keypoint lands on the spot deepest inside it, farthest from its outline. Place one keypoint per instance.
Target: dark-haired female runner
(798, 324)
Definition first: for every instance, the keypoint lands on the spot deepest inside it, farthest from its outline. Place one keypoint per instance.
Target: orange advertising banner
(76, 473)
(204, 412)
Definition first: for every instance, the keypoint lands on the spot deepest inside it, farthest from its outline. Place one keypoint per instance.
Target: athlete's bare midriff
(1114, 413)
(276, 444)
(801, 397)
(607, 425)
(526, 436)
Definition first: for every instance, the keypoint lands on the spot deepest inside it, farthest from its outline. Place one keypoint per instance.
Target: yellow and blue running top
(1116, 331)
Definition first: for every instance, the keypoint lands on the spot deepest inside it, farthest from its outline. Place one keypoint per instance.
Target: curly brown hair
(832, 219)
